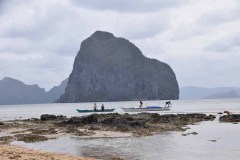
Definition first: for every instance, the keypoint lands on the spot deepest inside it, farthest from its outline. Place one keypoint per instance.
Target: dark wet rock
(1, 123)
(72, 121)
(187, 134)
(29, 138)
(94, 128)
(84, 133)
(15, 157)
(6, 138)
(213, 140)
(137, 123)
(35, 119)
(31, 120)
(230, 118)
(72, 129)
(109, 120)
(179, 118)
(61, 118)
(123, 122)
(116, 158)
(210, 118)
(21, 131)
(91, 119)
(220, 113)
(129, 125)
(143, 132)
(194, 133)
(49, 117)
(44, 131)
(140, 124)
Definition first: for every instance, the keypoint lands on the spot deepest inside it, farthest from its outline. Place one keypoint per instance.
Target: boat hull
(151, 108)
(88, 111)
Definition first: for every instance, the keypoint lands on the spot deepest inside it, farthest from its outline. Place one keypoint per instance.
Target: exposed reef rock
(141, 124)
(230, 118)
(138, 124)
(108, 68)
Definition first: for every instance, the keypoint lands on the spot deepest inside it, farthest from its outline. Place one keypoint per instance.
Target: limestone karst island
(109, 68)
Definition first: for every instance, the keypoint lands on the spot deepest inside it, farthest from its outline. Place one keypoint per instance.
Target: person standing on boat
(168, 103)
(141, 104)
(102, 107)
(95, 107)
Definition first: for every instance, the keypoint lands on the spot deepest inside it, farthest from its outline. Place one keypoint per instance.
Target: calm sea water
(11, 112)
(166, 146)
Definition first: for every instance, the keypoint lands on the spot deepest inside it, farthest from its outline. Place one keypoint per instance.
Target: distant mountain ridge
(230, 94)
(13, 91)
(192, 92)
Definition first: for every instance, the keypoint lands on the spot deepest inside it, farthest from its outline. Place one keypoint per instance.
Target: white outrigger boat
(148, 108)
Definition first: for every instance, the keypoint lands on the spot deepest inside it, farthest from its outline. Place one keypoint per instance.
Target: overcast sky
(200, 40)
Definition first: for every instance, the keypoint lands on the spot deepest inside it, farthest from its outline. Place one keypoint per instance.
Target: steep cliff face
(108, 68)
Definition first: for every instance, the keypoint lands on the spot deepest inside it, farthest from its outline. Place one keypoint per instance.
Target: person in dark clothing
(141, 103)
(102, 107)
(95, 107)
(168, 103)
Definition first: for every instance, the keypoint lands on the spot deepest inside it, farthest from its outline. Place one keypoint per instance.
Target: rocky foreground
(96, 125)
(234, 118)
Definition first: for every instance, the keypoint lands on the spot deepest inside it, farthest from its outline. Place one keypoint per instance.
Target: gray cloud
(209, 20)
(1, 3)
(46, 70)
(32, 23)
(220, 47)
(8, 5)
(39, 39)
(224, 45)
(214, 18)
(141, 27)
(128, 5)
(2, 6)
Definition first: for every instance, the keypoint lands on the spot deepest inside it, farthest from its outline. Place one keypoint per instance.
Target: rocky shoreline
(99, 126)
(96, 125)
(233, 118)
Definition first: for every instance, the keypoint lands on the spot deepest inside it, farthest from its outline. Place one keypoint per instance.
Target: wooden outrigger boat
(148, 108)
(88, 111)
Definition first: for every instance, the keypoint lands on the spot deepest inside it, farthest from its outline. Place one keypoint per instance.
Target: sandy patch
(10, 152)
